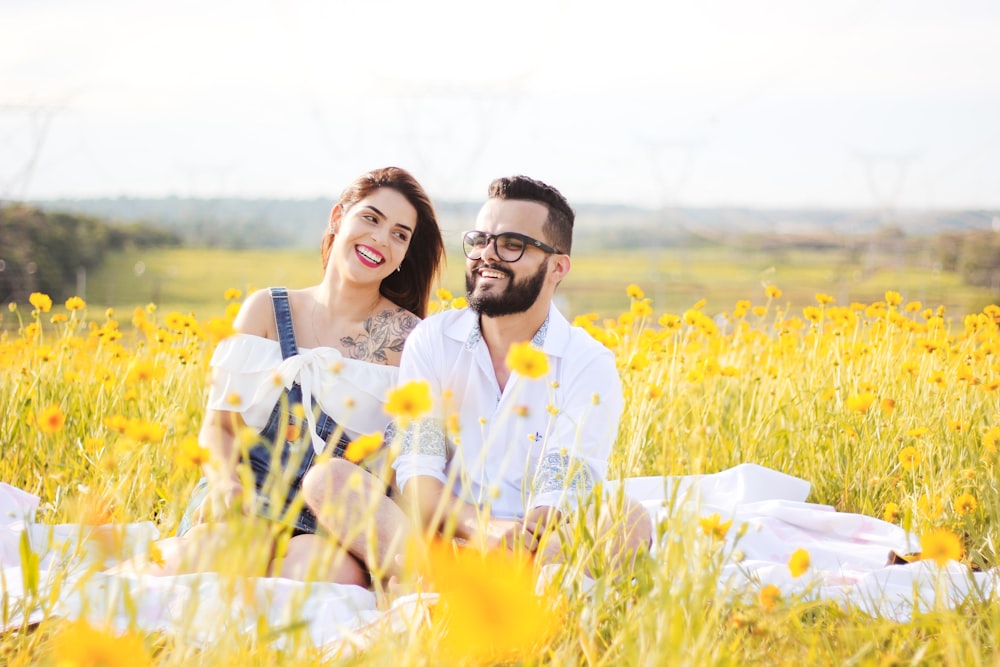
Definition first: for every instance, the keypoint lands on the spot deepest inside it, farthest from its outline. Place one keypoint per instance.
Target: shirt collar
(550, 337)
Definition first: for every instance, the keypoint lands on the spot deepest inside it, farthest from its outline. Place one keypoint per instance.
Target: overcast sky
(892, 103)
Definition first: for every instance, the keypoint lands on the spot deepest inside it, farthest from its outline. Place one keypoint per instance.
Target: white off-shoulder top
(248, 376)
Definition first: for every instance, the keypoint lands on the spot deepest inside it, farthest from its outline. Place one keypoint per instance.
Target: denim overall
(296, 457)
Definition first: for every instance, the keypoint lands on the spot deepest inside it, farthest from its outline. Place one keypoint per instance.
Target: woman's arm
(219, 427)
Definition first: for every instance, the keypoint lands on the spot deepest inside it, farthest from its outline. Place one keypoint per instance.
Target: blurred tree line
(51, 252)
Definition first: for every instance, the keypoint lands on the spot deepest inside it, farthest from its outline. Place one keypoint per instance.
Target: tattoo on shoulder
(383, 332)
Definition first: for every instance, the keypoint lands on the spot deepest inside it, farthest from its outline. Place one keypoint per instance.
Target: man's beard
(517, 297)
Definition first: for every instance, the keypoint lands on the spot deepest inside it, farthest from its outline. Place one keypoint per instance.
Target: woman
(309, 369)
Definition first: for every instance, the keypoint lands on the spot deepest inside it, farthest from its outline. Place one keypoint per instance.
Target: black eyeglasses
(509, 246)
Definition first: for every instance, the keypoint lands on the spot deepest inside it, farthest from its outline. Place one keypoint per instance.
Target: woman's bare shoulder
(256, 315)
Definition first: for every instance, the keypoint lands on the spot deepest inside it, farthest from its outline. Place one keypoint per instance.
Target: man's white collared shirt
(538, 442)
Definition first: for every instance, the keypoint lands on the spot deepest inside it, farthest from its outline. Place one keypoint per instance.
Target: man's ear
(559, 266)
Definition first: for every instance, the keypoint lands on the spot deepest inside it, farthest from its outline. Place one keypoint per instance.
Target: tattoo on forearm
(383, 332)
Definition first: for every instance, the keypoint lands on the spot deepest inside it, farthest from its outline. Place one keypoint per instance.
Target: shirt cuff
(408, 466)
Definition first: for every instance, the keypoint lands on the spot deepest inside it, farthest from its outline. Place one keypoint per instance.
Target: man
(507, 458)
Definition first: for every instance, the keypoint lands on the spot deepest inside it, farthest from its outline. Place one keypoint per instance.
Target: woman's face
(373, 235)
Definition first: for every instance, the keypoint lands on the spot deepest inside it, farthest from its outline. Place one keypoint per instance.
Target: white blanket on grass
(848, 554)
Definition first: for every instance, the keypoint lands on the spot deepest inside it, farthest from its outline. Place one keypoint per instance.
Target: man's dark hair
(559, 225)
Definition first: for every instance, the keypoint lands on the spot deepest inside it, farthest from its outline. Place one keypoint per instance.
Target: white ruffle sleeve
(248, 376)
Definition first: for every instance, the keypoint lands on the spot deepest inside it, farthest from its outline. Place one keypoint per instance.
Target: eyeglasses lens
(509, 248)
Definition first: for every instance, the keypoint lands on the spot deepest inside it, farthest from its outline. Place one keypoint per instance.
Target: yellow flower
(51, 419)
(444, 295)
(364, 445)
(453, 425)
(893, 298)
(965, 504)
(909, 457)
(410, 401)
(940, 545)
(669, 321)
(41, 301)
(191, 453)
(75, 303)
(860, 402)
(638, 361)
(991, 439)
(891, 512)
(798, 563)
(219, 328)
(772, 292)
(714, 526)
(524, 359)
(488, 610)
(144, 431)
(459, 303)
(143, 371)
(930, 506)
(232, 294)
(634, 291)
(917, 432)
(824, 299)
(888, 405)
(80, 645)
(641, 308)
(769, 596)
(812, 313)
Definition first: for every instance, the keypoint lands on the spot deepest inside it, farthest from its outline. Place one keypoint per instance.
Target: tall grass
(888, 408)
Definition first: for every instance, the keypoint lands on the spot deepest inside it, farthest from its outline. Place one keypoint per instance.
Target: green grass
(194, 279)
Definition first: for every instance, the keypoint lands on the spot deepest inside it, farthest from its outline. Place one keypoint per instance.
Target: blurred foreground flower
(714, 526)
(363, 446)
(940, 545)
(410, 401)
(489, 611)
(80, 645)
(769, 596)
(798, 563)
(524, 359)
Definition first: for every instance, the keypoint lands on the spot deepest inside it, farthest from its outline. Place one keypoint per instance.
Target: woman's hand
(222, 496)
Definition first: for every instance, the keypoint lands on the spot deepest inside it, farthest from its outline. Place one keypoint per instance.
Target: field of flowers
(889, 409)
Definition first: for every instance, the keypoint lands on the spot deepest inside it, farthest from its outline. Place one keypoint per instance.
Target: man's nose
(491, 250)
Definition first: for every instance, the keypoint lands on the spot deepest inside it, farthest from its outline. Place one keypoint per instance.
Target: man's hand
(510, 533)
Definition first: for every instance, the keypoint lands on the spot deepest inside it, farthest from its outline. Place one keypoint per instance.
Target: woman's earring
(399, 268)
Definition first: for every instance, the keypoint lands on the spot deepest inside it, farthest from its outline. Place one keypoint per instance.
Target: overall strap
(283, 322)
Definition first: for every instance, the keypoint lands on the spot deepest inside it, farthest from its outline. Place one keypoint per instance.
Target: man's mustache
(494, 267)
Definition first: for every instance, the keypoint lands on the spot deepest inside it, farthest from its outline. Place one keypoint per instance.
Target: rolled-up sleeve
(422, 452)
(422, 443)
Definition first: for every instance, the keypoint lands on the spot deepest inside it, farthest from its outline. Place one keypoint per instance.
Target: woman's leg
(350, 503)
(208, 547)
